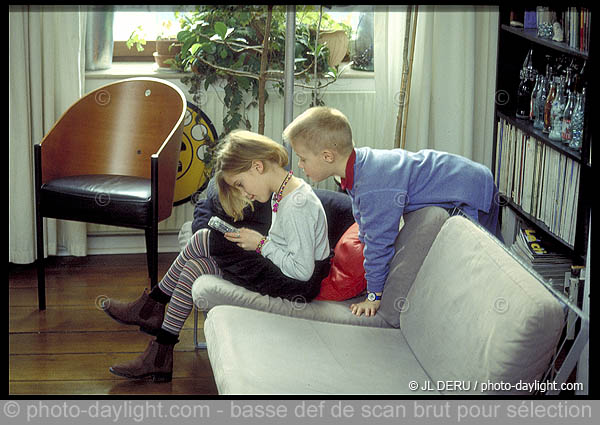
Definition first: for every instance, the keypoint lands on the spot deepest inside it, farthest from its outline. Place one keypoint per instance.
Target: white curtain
(46, 75)
(452, 94)
(389, 23)
(451, 101)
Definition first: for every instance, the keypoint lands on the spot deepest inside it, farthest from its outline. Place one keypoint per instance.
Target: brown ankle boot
(144, 312)
(155, 363)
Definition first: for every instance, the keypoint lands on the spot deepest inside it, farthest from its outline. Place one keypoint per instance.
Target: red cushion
(346, 277)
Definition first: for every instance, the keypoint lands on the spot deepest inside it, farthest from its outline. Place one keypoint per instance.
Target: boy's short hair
(320, 128)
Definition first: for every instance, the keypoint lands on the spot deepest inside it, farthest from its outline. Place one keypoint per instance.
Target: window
(149, 22)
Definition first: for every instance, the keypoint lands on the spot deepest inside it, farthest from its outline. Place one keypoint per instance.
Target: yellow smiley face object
(192, 172)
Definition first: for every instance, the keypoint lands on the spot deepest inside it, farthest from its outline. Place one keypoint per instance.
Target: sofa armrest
(210, 291)
(486, 317)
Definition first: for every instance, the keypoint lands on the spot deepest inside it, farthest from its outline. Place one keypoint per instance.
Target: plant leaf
(194, 48)
(243, 82)
(221, 29)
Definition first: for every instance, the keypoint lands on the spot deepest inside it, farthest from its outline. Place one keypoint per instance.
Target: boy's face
(315, 166)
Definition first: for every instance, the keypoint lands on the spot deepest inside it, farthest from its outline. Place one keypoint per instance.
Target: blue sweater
(386, 183)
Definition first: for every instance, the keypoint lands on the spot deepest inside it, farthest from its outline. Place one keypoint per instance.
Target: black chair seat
(105, 199)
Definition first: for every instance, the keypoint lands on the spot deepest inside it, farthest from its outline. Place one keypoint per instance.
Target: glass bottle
(566, 131)
(577, 122)
(570, 84)
(540, 101)
(548, 106)
(580, 80)
(556, 113)
(525, 87)
(532, 103)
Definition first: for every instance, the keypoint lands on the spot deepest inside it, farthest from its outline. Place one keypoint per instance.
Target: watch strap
(370, 296)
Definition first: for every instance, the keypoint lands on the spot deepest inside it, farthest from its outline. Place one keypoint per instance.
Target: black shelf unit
(513, 45)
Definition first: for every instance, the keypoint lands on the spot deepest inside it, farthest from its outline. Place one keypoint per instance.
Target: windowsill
(133, 69)
(150, 69)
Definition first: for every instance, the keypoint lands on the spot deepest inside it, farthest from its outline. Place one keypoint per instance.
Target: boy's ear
(328, 156)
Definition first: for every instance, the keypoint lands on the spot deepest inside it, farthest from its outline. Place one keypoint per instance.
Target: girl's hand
(366, 306)
(247, 239)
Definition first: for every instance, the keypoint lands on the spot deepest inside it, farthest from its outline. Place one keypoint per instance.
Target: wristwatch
(373, 297)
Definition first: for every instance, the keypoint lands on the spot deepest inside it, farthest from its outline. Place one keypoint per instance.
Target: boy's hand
(366, 306)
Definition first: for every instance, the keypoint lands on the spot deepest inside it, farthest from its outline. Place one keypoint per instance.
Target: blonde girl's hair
(319, 128)
(235, 155)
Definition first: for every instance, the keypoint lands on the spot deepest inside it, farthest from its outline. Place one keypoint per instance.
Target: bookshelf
(545, 183)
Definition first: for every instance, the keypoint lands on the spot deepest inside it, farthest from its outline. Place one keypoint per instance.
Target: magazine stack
(552, 266)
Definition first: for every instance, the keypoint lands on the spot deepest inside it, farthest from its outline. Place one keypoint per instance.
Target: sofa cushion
(210, 291)
(475, 314)
(253, 352)
(346, 278)
(412, 244)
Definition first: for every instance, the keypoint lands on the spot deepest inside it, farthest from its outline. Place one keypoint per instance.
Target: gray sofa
(412, 244)
(459, 315)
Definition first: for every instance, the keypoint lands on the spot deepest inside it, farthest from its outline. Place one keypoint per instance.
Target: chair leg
(39, 227)
(149, 251)
(152, 254)
(153, 246)
(41, 272)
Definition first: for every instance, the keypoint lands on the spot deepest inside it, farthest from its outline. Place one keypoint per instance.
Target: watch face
(371, 296)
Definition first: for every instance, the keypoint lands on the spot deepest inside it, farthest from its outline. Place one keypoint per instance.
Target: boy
(383, 184)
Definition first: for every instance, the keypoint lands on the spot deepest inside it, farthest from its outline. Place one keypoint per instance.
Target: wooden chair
(112, 158)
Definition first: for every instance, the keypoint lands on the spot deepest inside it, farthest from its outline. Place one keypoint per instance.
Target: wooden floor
(68, 348)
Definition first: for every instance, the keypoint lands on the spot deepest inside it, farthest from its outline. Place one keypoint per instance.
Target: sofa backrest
(411, 247)
(338, 209)
(475, 315)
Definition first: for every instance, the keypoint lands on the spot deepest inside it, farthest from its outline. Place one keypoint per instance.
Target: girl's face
(251, 183)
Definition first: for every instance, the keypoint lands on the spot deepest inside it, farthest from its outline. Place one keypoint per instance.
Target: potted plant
(228, 46)
(334, 35)
(167, 46)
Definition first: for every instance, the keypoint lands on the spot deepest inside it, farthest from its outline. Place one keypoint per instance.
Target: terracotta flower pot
(160, 60)
(168, 47)
(337, 41)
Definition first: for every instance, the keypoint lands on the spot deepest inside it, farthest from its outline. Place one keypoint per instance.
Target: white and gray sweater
(298, 234)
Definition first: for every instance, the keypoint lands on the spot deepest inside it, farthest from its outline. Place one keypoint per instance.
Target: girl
(289, 262)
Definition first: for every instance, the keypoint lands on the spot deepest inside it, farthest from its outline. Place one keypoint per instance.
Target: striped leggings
(191, 263)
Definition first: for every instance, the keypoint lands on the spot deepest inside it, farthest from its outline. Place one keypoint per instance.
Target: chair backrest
(115, 129)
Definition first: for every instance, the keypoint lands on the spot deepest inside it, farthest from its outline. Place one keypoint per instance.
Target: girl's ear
(258, 165)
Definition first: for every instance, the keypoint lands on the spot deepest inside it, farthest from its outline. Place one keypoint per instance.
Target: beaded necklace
(277, 196)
